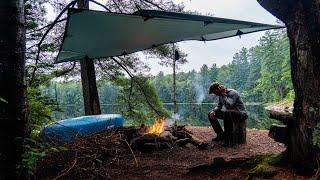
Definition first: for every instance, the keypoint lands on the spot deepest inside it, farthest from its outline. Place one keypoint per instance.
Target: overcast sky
(220, 51)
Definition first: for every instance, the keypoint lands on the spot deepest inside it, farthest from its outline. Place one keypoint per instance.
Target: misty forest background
(261, 74)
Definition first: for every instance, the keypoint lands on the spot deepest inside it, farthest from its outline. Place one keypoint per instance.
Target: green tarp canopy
(98, 34)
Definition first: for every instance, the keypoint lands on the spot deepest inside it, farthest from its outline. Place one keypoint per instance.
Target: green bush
(29, 160)
(134, 100)
(316, 136)
(40, 109)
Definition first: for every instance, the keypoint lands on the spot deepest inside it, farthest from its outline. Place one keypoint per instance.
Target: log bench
(238, 132)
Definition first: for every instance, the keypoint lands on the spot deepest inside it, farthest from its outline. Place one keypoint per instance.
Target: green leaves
(316, 136)
(3, 100)
(29, 160)
(40, 108)
(48, 47)
(135, 101)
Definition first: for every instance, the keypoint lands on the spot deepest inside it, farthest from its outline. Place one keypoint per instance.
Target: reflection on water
(190, 113)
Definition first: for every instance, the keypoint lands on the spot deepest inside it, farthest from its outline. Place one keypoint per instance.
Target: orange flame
(157, 127)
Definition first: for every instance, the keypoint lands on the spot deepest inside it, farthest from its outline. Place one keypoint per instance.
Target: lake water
(189, 113)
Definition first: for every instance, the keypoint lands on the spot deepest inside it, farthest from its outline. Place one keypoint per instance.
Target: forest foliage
(261, 74)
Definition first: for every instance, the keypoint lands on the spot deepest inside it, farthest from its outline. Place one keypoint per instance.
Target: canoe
(70, 129)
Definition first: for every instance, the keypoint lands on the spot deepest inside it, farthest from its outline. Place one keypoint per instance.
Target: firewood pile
(174, 136)
(95, 156)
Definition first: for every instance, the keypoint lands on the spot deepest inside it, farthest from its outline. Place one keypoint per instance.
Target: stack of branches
(97, 155)
(175, 136)
(86, 158)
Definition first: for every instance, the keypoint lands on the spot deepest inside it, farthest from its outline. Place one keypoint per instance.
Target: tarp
(98, 34)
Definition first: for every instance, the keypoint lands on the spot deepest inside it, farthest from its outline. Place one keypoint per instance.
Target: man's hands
(212, 115)
(222, 90)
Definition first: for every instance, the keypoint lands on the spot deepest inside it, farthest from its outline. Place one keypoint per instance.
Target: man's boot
(217, 128)
(220, 137)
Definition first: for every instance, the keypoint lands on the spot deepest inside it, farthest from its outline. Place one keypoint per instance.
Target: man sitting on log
(231, 110)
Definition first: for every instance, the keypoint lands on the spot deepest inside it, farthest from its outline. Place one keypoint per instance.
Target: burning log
(147, 139)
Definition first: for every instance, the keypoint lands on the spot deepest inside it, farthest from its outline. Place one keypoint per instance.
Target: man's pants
(228, 116)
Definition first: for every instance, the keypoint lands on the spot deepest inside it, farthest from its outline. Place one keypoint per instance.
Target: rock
(189, 145)
(262, 171)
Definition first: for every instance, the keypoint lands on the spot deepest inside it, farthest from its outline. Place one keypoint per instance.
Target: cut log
(180, 132)
(235, 133)
(182, 142)
(279, 133)
(239, 132)
(194, 142)
(150, 142)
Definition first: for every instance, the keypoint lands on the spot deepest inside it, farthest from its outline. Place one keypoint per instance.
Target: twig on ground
(66, 172)
(135, 159)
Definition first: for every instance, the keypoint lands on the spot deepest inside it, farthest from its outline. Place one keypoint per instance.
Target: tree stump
(238, 133)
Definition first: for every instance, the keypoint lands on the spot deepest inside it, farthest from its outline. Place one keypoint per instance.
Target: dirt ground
(105, 156)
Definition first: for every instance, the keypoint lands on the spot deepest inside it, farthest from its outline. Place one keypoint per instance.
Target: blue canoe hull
(71, 129)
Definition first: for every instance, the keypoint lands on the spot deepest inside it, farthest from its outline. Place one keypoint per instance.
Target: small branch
(117, 6)
(126, 64)
(61, 20)
(156, 5)
(31, 47)
(101, 5)
(130, 94)
(138, 83)
(135, 159)
(44, 35)
(65, 71)
(66, 172)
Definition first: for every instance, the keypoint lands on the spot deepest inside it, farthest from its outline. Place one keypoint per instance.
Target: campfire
(160, 136)
(157, 127)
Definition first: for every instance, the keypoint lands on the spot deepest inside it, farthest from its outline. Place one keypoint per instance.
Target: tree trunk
(89, 87)
(302, 18)
(88, 78)
(13, 113)
(174, 82)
